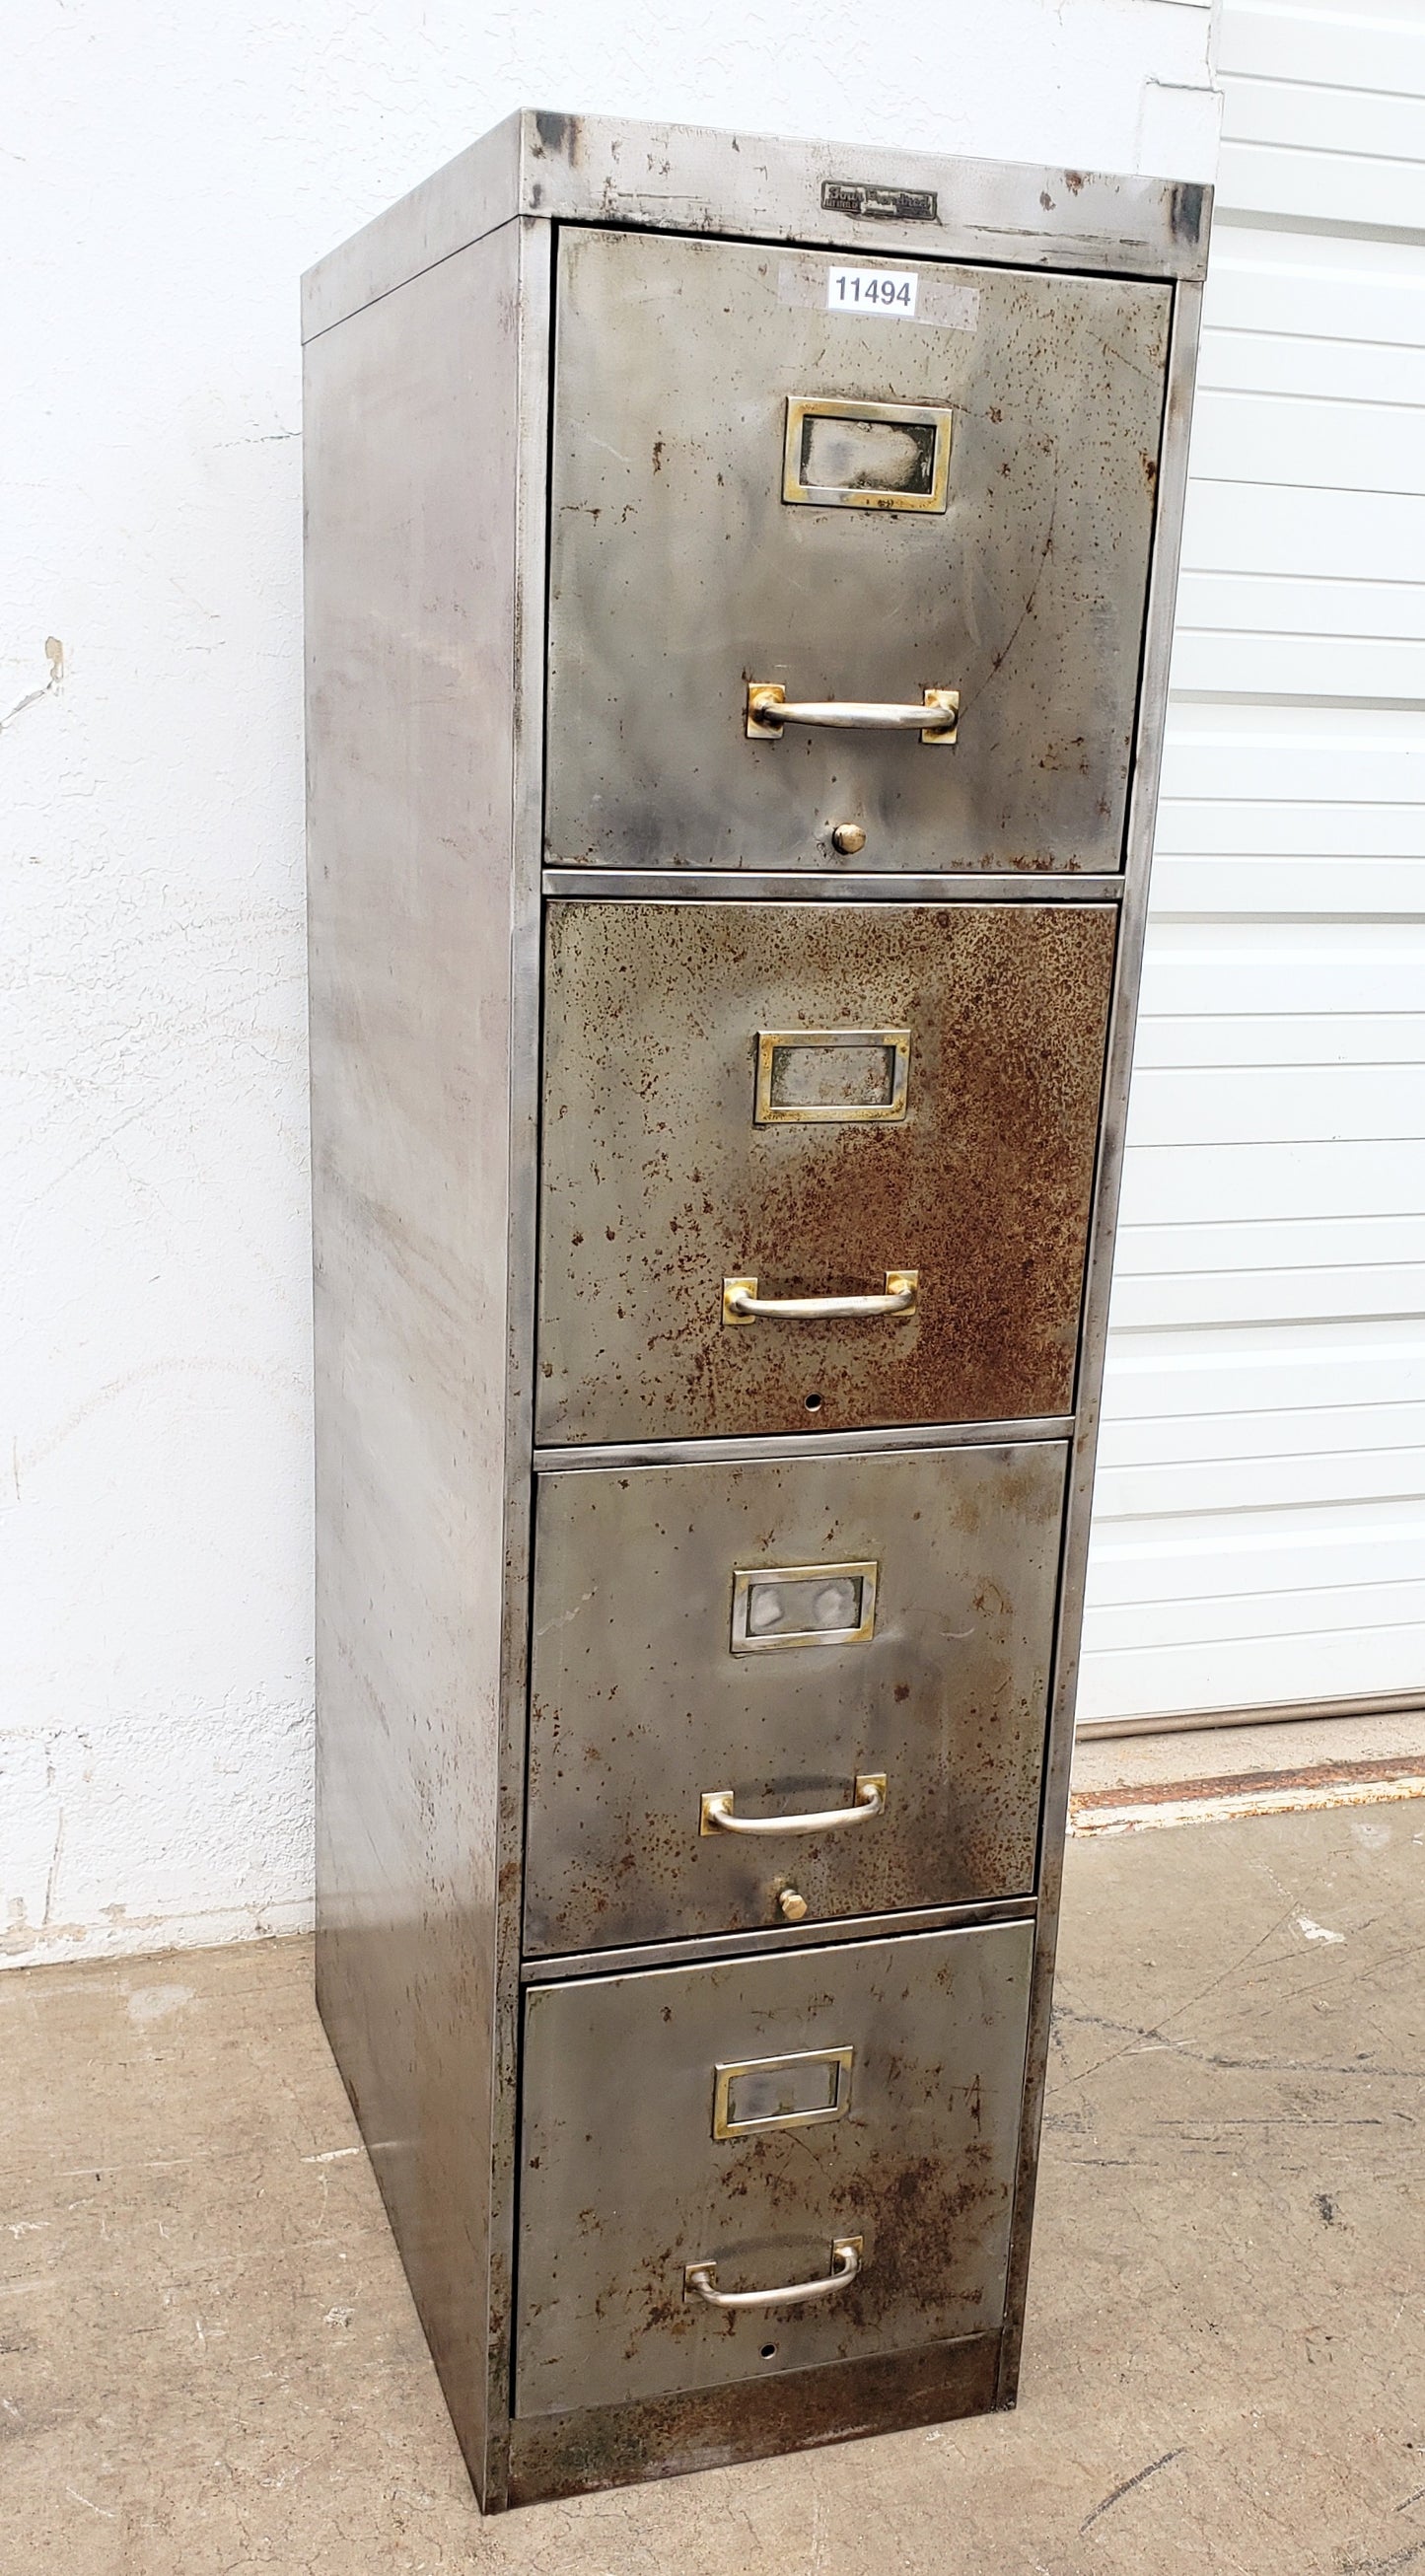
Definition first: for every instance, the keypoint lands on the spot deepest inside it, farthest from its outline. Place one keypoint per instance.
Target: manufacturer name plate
(884, 205)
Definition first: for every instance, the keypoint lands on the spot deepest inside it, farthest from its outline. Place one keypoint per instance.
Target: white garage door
(1259, 1532)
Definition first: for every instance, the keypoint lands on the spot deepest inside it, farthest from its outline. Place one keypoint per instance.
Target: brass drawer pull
(700, 2282)
(742, 1305)
(716, 1816)
(768, 711)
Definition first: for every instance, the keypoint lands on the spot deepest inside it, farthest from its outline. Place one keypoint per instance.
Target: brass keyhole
(848, 838)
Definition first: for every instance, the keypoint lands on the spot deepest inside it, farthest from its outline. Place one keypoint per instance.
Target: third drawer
(717, 1646)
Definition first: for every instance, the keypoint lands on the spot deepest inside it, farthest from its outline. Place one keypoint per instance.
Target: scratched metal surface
(639, 1704)
(657, 1185)
(678, 573)
(623, 2183)
(413, 908)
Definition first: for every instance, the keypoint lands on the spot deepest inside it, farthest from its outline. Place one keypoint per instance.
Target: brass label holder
(771, 1112)
(747, 1580)
(763, 2073)
(907, 443)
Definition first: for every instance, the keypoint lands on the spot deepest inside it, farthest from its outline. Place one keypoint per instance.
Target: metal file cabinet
(739, 587)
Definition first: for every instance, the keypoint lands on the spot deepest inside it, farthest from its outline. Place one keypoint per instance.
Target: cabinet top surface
(692, 179)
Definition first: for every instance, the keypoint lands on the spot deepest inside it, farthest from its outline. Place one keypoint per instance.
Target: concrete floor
(209, 2365)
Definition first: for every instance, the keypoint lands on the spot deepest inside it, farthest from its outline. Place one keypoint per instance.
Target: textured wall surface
(170, 172)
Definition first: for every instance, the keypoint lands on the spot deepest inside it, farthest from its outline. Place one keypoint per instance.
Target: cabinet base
(610, 2446)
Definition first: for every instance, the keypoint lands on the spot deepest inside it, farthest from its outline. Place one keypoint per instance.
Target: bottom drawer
(752, 2117)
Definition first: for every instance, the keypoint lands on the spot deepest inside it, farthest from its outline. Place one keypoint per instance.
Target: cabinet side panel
(411, 426)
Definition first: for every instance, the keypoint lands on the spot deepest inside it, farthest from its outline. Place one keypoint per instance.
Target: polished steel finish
(782, 2081)
(755, 1632)
(810, 1444)
(793, 1933)
(658, 1186)
(689, 179)
(623, 2185)
(805, 884)
(868, 1798)
(423, 1282)
(638, 1706)
(700, 2281)
(678, 573)
(777, 1105)
(742, 1305)
(920, 465)
(817, 885)
(769, 709)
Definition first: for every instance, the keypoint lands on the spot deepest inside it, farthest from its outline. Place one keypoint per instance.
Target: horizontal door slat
(1251, 1244)
(1263, 527)
(1356, 1038)
(1330, 446)
(1271, 359)
(1216, 886)
(1301, 667)
(1339, 756)
(1291, 1370)
(1250, 830)
(1296, 604)
(1339, 1477)
(1250, 1672)
(1385, 50)
(1216, 1181)
(1348, 188)
(1244, 1436)
(1312, 116)
(1268, 1104)
(1196, 1298)
(1277, 289)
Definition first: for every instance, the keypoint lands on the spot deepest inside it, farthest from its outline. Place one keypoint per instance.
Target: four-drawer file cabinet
(739, 587)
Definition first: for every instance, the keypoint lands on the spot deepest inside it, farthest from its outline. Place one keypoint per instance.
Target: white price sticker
(891, 291)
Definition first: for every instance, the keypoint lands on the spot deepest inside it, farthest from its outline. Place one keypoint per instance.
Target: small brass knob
(848, 838)
(791, 1905)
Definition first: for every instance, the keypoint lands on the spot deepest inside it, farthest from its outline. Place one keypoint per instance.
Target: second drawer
(717, 1646)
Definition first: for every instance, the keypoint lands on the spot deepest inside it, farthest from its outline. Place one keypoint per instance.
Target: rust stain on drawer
(658, 1184)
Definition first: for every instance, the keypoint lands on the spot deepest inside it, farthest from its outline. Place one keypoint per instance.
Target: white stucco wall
(169, 172)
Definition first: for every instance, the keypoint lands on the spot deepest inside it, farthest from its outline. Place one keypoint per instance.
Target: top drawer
(732, 504)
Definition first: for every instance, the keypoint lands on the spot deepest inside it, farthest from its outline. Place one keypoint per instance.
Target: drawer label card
(781, 2092)
(942, 303)
(775, 1606)
(892, 291)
